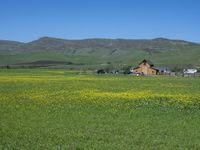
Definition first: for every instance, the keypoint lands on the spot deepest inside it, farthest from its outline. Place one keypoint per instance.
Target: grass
(59, 109)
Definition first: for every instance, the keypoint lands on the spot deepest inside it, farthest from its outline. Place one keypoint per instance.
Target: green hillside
(100, 51)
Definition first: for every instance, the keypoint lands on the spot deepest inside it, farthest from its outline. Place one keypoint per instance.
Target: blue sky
(27, 20)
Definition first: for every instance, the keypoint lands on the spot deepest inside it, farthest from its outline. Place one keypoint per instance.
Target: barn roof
(155, 68)
(147, 61)
(136, 67)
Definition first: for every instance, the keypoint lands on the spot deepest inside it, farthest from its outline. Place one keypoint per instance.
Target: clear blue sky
(26, 20)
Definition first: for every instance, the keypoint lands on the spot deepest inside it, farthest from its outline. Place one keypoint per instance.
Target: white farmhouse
(190, 71)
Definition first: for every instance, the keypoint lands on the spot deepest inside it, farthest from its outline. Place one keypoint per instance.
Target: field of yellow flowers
(60, 109)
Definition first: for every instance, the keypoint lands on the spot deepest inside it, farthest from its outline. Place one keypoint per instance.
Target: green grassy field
(59, 109)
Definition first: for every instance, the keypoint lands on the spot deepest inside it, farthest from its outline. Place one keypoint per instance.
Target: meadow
(60, 109)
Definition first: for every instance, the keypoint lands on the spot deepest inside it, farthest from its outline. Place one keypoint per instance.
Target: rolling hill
(100, 51)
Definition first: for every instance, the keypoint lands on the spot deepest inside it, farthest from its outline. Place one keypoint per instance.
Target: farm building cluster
(147, 68)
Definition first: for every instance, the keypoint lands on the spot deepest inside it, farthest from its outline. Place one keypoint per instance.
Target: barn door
(145, 70)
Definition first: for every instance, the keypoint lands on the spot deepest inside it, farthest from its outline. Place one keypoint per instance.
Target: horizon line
(99, 38)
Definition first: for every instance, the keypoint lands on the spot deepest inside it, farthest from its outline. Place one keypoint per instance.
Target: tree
(126, 70)
(7, 67)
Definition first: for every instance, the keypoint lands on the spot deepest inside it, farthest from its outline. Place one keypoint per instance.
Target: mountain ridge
(100, 50)
(49, 37)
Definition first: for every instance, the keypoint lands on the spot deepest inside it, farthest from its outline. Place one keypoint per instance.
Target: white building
(190, 71)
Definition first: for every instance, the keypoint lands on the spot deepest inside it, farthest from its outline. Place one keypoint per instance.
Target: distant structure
(163, 70)
(146, 67)
(189, 72)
